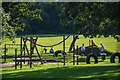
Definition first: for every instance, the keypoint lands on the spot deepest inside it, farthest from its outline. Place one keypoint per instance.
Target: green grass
(94, 71)
(102, 70)
(109, 42)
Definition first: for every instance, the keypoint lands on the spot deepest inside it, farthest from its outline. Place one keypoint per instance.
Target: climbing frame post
(77, 54)
(21, 52)
(34, 41)
(31, 51)
(24, 40)
(64, 48)
(15, 58)
(73, 52)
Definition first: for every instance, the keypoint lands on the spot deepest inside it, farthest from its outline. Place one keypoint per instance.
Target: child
(102, 50)
(45, 49)
(51, 50)
(83, 50)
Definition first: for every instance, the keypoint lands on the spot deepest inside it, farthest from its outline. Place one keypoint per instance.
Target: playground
(59, 40)
(34, 62)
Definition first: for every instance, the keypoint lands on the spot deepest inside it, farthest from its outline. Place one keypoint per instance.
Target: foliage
(24, 21)
(7, 30)
(50, 23)
(91, 18)
(21, 13)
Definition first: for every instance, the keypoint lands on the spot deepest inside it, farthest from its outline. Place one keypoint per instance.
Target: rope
(53, 44)
(50, 45)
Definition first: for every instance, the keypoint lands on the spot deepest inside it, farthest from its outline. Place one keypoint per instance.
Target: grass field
(102, 70)
(109, 42)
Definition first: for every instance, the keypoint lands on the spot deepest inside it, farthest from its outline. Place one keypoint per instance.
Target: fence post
(21, 52)
(24, 55)
(31, 51)
(73, 52)
(77, 54)
(15, 58)
(64, 48)
(5, 53)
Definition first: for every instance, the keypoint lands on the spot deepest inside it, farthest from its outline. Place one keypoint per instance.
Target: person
(51, 50)
(45, 49)
(102, 52)
(83, 50)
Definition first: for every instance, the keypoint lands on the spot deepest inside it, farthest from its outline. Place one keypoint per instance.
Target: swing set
(33, 46)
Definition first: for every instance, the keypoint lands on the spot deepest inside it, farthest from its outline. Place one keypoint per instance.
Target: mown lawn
(102, 70)
(109, 43)
(106, 71)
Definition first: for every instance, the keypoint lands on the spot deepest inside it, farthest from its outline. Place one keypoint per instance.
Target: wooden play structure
(33, 47)
(26, 52)
(24, 48)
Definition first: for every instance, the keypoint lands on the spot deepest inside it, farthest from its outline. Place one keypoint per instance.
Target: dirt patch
(9, 64)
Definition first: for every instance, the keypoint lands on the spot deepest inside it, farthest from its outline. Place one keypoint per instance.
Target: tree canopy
(7, 30)
(91, 18)
(21, 12)
(35, 17)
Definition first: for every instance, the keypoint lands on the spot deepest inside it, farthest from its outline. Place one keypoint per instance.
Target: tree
(91, 19)
(16, 15)
(6, 29)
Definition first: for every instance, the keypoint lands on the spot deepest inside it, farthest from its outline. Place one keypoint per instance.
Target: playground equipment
(73, 43)
(59, 51)
(77, 53)
(112, 57)
(26, 53)
(24, 48)
(89, 56)
(92, 44)
(106, 53)
(33, 45)
(117, 53)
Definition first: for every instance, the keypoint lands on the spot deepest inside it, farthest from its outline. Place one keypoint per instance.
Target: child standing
(83, 50)
(45, 49)
(102, 52)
